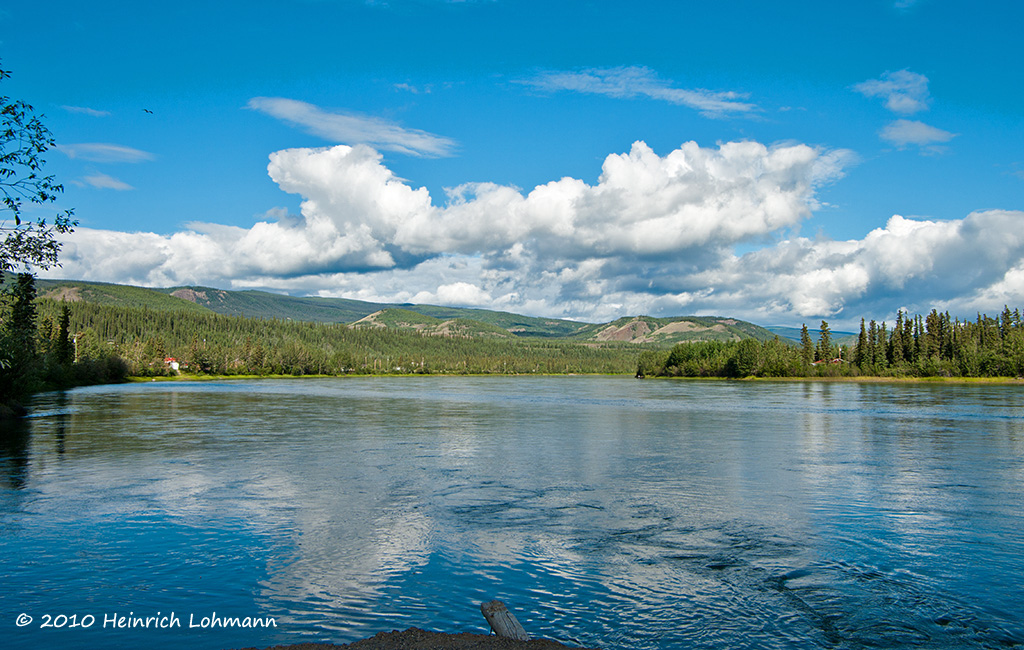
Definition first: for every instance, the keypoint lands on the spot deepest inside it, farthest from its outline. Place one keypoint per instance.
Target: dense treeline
(147, 340)
(746, 358)
(932, 346)
(48, 344)
(36, 355)
(937, 345)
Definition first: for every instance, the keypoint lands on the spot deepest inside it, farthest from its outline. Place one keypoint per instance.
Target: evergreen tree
(909, 342)
(883, 345)
(860, 355)
(18, 341)
(806, 346)
(872, 355)
(896, 350)
(1006, 322)
(64, 347)
(22, 326)
(825, 351)
(946, 337)
(932, 335)
(920, 347)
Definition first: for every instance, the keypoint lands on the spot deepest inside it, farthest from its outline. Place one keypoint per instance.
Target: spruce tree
(872, 355)
(909, 343)
(896, 343)
(883, 345)
(64, 346)
(18, 341)
(806, 346)
(23, 314)
(860, 354)
(825, 352)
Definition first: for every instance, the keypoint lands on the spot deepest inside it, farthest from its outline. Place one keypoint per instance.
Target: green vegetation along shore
(84, 333)
(933, 346)
(151, 342)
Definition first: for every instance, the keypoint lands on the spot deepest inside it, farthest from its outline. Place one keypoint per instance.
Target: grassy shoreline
(1009, 381)
(204, 377)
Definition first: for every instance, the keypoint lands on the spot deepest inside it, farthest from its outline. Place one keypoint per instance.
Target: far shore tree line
(935, 345)
(39, 353)
(49, 344)
(153, 343)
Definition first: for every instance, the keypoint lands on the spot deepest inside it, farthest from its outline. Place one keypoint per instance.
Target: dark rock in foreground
(417, 639)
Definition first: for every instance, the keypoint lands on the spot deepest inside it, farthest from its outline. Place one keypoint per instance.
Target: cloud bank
(656, 235)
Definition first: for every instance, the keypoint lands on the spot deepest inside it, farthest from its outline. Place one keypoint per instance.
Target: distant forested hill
(469, 322)
(161, 342)
(263, 304)
(120, 295)
(669, 331)
(153, 332)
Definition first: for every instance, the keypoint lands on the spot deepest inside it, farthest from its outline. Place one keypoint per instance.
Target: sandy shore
(417, 639)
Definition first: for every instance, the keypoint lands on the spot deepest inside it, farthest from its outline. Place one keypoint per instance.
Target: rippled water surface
(604, 511)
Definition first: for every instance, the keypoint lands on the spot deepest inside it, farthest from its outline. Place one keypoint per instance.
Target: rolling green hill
(405, 319)
(516, 323)
(428, 319)
(669, 331)
(118, 295)
(263, 304)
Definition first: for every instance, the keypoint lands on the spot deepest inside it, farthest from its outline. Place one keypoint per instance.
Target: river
(603, 511)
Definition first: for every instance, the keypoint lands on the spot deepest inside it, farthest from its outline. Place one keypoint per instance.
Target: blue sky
(780, 162)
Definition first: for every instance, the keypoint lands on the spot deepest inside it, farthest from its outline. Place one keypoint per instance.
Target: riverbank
(863, 379)
(871, 379)
(417, 639)
(208, 377)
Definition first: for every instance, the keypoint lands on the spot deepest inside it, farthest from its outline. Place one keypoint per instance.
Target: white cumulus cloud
(643, 204)
(460, 294)
(918, 263)
(655, 234)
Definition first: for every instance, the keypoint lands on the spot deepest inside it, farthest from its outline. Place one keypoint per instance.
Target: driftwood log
(502, 621)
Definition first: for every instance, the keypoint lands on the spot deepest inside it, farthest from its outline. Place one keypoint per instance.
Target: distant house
(833, 362)
(172, 363)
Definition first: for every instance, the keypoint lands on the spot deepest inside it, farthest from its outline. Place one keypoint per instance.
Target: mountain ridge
(429, 319)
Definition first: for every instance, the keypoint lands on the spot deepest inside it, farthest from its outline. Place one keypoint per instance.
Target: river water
(605, 512)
